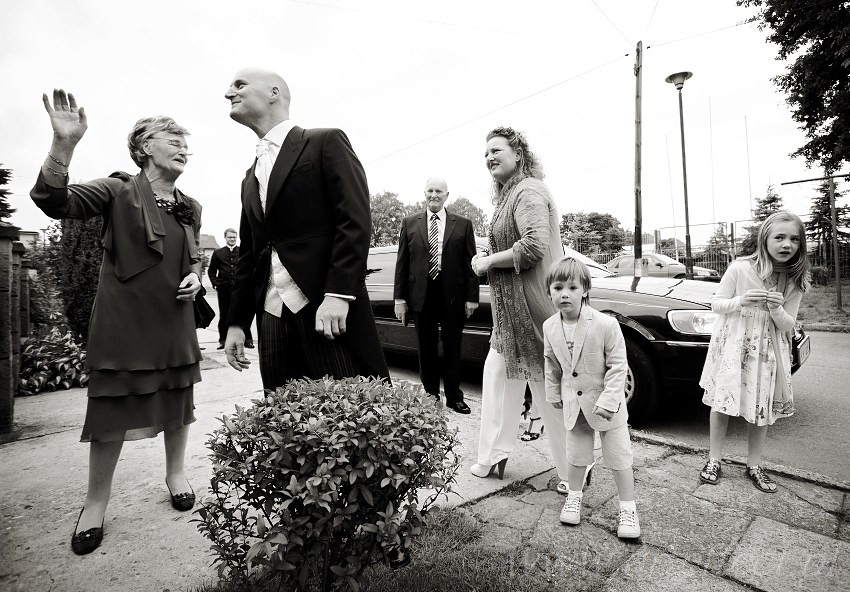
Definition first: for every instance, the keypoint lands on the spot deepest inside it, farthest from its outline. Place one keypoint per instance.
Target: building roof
(208, 242)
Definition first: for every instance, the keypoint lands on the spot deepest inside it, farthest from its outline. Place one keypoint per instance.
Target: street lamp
(678, 79)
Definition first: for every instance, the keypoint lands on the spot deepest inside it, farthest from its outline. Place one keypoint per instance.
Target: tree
(415, 207)
(78, 270)
(765, 206)
(6, 210)
(466, 208)
(816, 36)
(819, 226)
(718, 243)
(578, 234)
(387, 214)
(592, 232)
(611, 233)
(46, 308)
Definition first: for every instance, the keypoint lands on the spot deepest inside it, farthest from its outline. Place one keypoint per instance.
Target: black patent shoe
(459, 407)
(83, 543)
(181, 501)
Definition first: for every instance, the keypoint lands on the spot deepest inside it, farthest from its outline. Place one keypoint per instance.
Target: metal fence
(716, 245)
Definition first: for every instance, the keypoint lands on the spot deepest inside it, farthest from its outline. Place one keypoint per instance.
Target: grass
(453, 554)
(819, 306)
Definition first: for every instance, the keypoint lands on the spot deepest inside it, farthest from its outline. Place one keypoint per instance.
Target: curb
(789, 472)
(825, 327)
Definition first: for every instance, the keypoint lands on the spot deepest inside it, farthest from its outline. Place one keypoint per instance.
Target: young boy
(585, 368)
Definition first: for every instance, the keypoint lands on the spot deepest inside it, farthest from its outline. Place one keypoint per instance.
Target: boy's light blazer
(597, 375)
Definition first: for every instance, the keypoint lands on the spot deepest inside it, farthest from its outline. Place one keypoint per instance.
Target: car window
(665, 259)
(380, 268)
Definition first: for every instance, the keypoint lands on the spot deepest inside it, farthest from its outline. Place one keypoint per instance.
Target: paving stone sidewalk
(725, 537)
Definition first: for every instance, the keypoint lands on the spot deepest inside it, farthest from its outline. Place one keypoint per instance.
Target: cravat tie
(263, 170)
(433, 239)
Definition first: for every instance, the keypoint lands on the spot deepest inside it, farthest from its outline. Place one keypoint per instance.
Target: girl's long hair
(528, 165)
(798, 267)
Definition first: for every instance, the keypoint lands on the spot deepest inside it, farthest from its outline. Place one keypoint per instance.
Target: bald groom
(305, 231)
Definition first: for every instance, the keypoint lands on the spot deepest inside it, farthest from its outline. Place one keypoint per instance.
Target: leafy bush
(52, 362)
(821, 275)
(321, 478)
(45, 302)
(78, 271)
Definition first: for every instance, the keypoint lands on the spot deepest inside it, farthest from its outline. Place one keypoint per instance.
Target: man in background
(222, 272)
(436, 287)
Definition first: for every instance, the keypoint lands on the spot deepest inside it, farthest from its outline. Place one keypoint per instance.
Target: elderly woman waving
(524, 241)
(143, 352)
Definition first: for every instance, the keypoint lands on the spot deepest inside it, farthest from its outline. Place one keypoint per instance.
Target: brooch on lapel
(184, 214)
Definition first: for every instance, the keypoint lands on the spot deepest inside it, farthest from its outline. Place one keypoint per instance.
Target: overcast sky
(416, 86)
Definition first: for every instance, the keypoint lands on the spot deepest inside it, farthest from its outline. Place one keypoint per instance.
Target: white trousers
(501, 406)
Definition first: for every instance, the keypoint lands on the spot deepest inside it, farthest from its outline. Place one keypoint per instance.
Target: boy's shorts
(616, 445)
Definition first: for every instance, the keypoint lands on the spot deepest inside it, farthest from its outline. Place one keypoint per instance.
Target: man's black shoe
(220, 346)
(459, 407)
(249, 344)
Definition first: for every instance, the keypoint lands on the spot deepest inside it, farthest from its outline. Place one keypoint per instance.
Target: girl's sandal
(761, 480)
(528, 435)
(710, 473)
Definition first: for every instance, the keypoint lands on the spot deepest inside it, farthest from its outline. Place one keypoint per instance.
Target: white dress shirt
(282, 288)
(441, 233)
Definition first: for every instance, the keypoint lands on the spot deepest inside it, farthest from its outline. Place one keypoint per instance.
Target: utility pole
(834, 223)
(641, 264)
(835, 250)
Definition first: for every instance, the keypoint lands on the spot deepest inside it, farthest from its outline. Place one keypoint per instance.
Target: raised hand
(68, 121)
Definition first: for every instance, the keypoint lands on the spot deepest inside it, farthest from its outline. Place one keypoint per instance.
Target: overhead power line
(512, 33)
(623, 35)
(483, 115)
(746, 22)
(651, 16)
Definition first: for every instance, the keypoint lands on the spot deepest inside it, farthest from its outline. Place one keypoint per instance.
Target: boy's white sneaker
(629, 525)
(571, 512)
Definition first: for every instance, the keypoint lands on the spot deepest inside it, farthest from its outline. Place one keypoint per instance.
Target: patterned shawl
(527, 222)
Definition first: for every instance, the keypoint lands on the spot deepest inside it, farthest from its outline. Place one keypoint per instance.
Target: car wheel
(641, 383)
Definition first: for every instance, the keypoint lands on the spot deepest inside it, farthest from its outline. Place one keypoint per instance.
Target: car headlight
(692, 322)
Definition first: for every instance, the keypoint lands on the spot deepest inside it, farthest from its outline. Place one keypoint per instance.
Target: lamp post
(678, 79)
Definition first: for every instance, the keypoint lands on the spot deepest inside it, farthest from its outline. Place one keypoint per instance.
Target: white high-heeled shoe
(484, 471)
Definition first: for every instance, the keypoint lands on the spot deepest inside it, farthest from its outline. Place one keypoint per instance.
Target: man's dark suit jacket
(222, 268)
(317, 218)
(460, 284)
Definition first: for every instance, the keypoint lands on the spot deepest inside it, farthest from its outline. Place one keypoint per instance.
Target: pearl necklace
(165, 204)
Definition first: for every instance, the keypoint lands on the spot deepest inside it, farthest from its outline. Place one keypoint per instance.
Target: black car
(667, 324)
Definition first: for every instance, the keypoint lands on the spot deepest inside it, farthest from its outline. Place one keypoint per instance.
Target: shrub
(320, 479)
(45, 302)
(78, 271)
(52, 362)
(820, 275)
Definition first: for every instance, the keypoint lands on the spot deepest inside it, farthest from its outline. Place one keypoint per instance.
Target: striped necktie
(433, 240)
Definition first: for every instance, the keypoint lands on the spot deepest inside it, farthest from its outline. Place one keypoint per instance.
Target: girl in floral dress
(747, 371)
